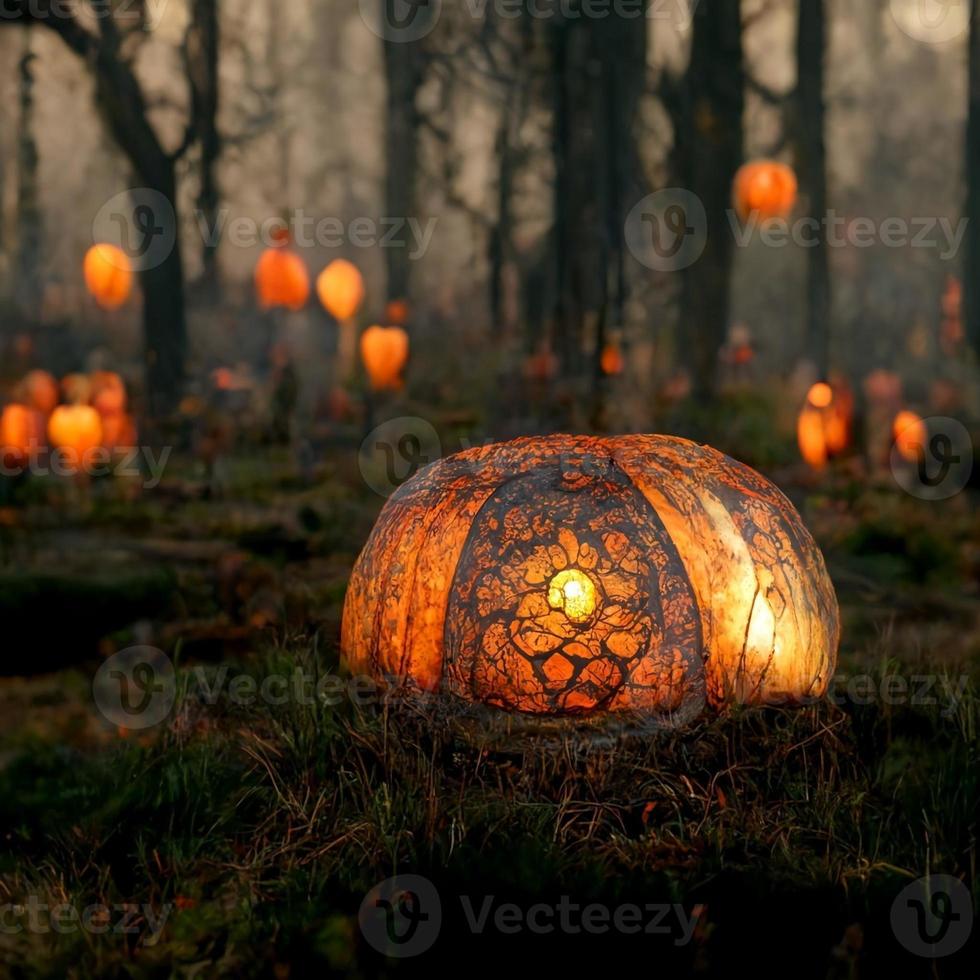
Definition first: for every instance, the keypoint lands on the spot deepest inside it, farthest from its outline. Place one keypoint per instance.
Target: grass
(262, 829)
(256, 830)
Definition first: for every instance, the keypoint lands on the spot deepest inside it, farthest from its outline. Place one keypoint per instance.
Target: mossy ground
(261, 827)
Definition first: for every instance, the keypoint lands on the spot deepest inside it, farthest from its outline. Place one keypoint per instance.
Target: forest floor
(243, 833)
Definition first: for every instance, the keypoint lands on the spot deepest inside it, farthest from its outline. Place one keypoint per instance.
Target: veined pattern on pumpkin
(570, 597)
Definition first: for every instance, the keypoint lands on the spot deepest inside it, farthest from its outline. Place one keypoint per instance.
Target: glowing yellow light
(820, 395)
(574, 593)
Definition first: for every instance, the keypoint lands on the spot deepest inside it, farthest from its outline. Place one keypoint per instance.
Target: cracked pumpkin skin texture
(573, 575)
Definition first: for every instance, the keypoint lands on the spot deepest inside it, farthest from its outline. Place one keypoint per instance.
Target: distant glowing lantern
(39, 390)
(542, 365)
(340, 288)
(384, 351)
(108, 275)
(108, 392)
(76, 430)
(611, 360)
(824, 426)
(766, 189)
(281, 279)
(910, 436)
(21, 434)
(582, 576)
(397, 313)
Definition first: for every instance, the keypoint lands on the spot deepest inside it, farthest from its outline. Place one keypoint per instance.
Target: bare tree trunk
(708, 150)
(971, 272)
(811, 165)
(622, 53)
(164, 325)
(27, 279)
(578, 281)
(202, 46)
(403, 70)
(123, 105)
(499, 244)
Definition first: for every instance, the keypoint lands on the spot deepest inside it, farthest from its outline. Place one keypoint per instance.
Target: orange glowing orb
(384, 351)
(340, 288)
(281, 279)
(611, 360)
(765, 189)
(21, 433)
(76, 429)
(108, 275)
(820, 395)
(910, 435)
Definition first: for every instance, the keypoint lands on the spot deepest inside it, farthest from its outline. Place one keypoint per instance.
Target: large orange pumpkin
(108, 275)
(341, 289)
(384, 351)
(281, 279)
(21, 434)
(766, 189)
(573, 575)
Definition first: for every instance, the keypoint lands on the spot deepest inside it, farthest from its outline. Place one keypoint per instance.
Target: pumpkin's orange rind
(700, 583)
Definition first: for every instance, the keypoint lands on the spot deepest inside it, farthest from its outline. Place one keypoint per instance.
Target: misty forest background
(528, 140)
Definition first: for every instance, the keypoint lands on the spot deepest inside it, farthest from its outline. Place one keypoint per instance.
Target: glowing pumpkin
(611, 360)
(340, 288)
(75, 430)
(384, 351)
(910, 436)
(21, 434)
(108, 275)
(108, 392)
(575, 575)
(39, 390)
(765, 189)
(823, 429)
(281, 279)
